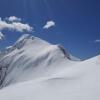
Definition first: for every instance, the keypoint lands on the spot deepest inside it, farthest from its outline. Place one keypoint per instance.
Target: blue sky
(77, 23)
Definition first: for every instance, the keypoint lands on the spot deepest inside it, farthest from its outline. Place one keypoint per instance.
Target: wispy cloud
(49, 24)
(1, 36)
(97, 41)
(15, 24)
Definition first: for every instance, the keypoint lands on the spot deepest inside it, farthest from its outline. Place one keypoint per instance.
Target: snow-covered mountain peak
(24, 36)
(28, 39)
(34, 44)
(33, 68)
(33, 54)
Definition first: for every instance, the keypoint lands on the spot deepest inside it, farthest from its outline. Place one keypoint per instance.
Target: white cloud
(16, 26)
(49, 24)
(97, 41)
(21, 27)
(13, 18)
(1, 36)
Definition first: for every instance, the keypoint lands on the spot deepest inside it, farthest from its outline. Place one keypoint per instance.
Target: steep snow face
(77, 82)
(31, 58)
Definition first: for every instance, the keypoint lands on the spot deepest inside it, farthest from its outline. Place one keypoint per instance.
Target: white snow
(37, 70)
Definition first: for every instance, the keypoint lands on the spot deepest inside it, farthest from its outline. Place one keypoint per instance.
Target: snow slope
(79, 82)
(31, 58)
(33, 69)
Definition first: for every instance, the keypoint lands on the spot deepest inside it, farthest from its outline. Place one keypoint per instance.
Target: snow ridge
(29, 53)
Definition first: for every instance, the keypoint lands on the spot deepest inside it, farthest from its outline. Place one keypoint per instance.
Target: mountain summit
(35, 69)
(30, 57)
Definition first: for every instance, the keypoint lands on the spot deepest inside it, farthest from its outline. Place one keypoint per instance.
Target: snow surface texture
(33, 69)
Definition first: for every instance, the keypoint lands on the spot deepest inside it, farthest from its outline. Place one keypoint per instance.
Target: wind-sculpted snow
(77, 82)
(33, 69)
(30, 58)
